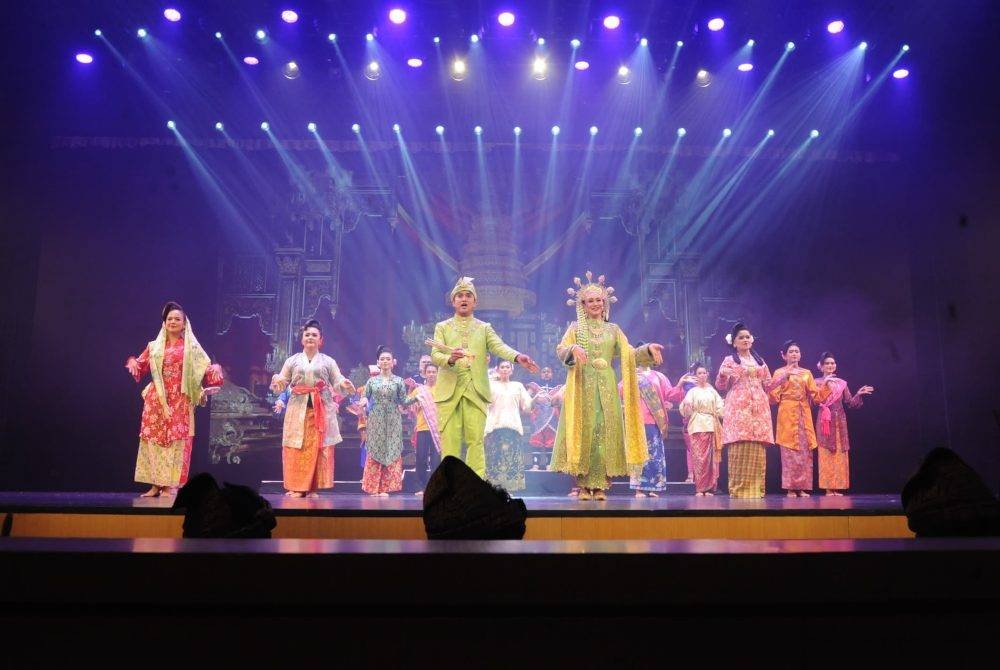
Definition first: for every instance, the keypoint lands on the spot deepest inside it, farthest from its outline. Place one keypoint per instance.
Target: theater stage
(344, 516)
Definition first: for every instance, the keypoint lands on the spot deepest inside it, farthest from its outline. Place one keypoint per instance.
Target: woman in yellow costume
(599, 436)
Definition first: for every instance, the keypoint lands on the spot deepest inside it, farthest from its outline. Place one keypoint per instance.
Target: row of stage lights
(478, 130)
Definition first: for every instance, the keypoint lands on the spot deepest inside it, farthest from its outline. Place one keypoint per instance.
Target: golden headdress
(463, 284)
(580, 293)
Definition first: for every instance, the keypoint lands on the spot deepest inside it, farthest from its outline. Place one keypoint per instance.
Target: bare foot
(294, 494)
(791, 494)
(574, 493)
(828, 492)
(168, 491)
(837, 493)
(312, 494)
(599, 494)
(804, 494)
(153, 492)
(699, 493)
(710, 493)
(653, 495)
(383, 495)
(584, 494)
(640, 494)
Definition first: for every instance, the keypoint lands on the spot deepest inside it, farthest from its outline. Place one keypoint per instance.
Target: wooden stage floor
(398, 517)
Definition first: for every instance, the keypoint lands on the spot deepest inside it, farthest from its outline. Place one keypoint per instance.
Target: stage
(342, 516)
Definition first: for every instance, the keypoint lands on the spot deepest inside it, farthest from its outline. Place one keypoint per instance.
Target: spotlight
(397, 15)
(726, 132)
(311, 127)
(814, 133)
(395, 128)
(703, 78)
(751, 42)
(84, 58)
(289, 16)
(540, 41)
(644, 42)
(437, 40)
(789, 46)
(478, 130)
(581, 65)
(539, 69)
(835, 27)
(355, 128)
(219, 126)
(901, 73)
(373, 71)
(474, 38)
(681, 132)
(593, 130)
(624, 75)
(142, 33)
(171, 125)
(171, 14)
(744, 67)
(863, 46)
(517, 131)
(555, 130)
(414, 62)
(291, 70)
(439, 130)
(906, 47)
(770, 133)
(369, 37)
(98, 33)
(637, 131)
(332, 37)
(218, 35)
(458, 69)
(265, 126)
(716, 24)
(251, 60)
(506, 19)
(612, 22)
(575, 43)
(680, 43)
(260, 35)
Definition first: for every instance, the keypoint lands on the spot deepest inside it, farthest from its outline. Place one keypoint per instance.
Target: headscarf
(196, 362)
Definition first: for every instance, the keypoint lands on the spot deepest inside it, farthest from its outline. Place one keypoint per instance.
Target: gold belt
(599, 363)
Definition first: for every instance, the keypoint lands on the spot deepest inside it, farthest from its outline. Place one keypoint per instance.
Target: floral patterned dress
(746, 425)
(384, 460)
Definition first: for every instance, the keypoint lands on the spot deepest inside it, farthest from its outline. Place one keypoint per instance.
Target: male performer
(462, 392)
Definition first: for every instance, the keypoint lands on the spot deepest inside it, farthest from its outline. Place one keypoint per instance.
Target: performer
(310, 429)
(656, 395)
(462, 392)
(545, 402)
(598, 436)
(420, 377)
(504, 441)
(746, 424)
(386, 393)
(178, 366)
(702, 408)
(796, 435)
(428, 436)
(835, 445)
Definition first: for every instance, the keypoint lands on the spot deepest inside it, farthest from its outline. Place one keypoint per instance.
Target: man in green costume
(462, 392)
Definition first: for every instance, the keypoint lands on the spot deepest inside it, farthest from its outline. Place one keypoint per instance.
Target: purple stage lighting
(289, 16)
(612, 22)
(171, 14)
(744, 67)
(835, 27)
(581, 65)
(716, 24)
(415, 62)
(397, 15)
(251, 60)
(84, 58)
(901, 73)
(506, 19)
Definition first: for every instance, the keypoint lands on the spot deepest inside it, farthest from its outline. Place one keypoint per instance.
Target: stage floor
(399, 517)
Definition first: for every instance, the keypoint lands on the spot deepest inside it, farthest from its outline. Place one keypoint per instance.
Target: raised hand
(657, 351)
(133, 367)
(278, 383)
(865, 390)
(526, 362)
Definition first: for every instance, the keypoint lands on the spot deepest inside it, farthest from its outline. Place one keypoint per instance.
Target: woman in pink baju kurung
(796, 436)
(746, 424)
(178, 366)
(831, 420)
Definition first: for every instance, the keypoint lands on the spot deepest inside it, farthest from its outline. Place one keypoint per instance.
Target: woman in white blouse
(703, 407)
(504, 441)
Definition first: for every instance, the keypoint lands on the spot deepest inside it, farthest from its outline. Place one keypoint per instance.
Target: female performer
(702, 407)
(834, 463)
(178, 366)
(386, 393)
(598, 436)
(796, 435)
(504, 441)
(746, 424)
(310, 429)
(656, 396)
